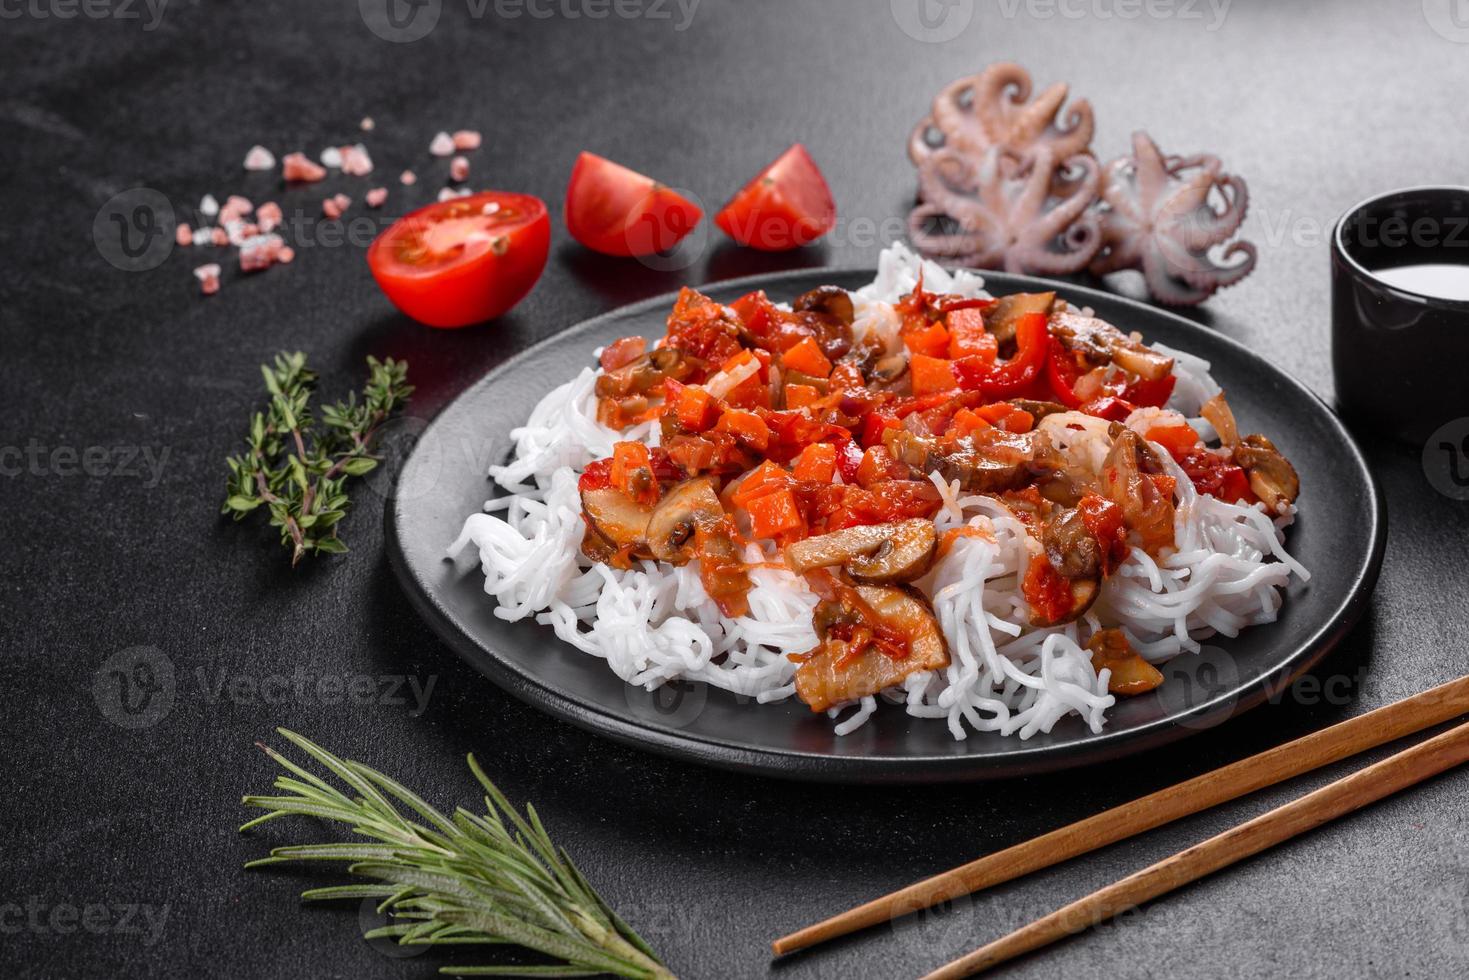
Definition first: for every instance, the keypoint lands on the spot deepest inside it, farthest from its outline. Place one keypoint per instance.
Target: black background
(1317, 104)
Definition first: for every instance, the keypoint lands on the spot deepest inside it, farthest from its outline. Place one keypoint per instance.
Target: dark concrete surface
(120, 856)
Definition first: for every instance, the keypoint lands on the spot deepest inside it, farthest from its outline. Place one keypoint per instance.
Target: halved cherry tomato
(617, 211)
(464, 260)
(788, 205)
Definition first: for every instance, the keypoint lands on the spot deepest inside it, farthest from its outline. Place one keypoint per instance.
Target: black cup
(1396, 353)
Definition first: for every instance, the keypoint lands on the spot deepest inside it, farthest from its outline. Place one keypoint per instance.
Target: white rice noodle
(655, 623)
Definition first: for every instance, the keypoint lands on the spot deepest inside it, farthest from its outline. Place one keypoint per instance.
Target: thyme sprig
(490, 879)
(299, 472)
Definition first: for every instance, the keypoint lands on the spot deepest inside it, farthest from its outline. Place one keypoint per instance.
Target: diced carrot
(967, 422)
(632, 472)
(747, 427)
(968, 336)
(1177, 439)
(807, 358)
(1003, 415)
(817, 462)
(765, 478)
(878, 465)
(799, 396)
(931, 375)
(773, 513)
(693, 406)
(932, 340)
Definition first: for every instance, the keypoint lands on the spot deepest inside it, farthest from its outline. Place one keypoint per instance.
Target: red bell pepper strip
(1010, 378)
(1061, 374)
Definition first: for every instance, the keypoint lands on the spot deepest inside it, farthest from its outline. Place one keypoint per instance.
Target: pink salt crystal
(367, 124)
(296, 167)
(259, 158)
(466, 139)
(355, 161)
(208, 276)
(183, 235)
(221, 237)
(376, 197)
(285, 255)
(268, 216)
(259, 253)
(459, 169)
(331, 208)
(442, 146)
(408, 179)
(238, 204)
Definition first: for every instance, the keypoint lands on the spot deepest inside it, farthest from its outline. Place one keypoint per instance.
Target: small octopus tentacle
(1163, 214)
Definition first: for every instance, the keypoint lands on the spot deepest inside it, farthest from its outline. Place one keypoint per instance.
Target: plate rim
(818, 767)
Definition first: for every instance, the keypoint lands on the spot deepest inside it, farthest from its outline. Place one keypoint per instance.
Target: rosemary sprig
(495, 878)
(300, 473)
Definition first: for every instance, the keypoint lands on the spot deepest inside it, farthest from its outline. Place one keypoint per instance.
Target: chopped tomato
(621, 353)
(1178, 440)
(873, 425)
(1151, 394)
(807, 358)
(1215, 475)
(701, 327)
(597, 476)
(931, 375)
(773, 513)
(894, 500)
(464, 260)
(1108, 407)
(847, 377)
(1103, 519)
(849, 457)
(617, 211)
(1047, 591)
(786, 206)
(817, 463)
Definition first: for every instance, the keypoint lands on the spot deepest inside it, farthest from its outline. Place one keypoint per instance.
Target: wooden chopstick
(1332, 744)
(1397, 772)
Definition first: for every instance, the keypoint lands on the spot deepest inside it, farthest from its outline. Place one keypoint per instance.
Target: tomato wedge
(788, 205)
(464, 260)
(617, 211)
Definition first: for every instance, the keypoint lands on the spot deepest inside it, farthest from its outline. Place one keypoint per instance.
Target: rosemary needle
(492, 878)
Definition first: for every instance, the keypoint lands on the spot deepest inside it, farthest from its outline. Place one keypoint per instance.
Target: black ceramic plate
(1338, 535)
